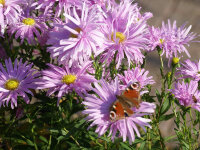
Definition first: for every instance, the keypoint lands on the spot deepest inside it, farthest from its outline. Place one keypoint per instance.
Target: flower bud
(175, 60)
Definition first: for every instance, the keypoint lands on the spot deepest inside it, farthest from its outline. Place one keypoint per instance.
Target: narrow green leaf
(80, 123)
(125, 146)
(142, 146)
(54, 131)
(169, 138)
(185, 144)
(166, 117)
(29, 142)
(165, 106)
(42, 138)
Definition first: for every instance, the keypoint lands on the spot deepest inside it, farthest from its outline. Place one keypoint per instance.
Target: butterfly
(129, 98)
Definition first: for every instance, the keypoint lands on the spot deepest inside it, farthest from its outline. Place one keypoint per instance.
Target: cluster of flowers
(76, 30)
(188, 94)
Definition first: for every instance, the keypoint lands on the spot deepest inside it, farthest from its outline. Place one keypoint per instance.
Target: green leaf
(166, 117)
(82, 121)
(60, 138)
(42, 138)
(54, 131)
(29, 142)
(137, 140)
(142, 146)
(105, 139)
(158, 95)
(169, 138)
(165, 106)
(125, 146)
(185, 144)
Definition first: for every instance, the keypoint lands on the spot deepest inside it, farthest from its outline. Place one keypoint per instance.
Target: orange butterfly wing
(119, 110)
(133, 96)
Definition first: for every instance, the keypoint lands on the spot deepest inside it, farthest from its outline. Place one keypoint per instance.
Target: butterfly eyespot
(112, 115)
(135, 85)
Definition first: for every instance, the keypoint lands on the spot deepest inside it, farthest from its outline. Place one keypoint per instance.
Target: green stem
(187, 133)
(171, 77)
(34, 139)
(72, 138)
(174, 109)
(192, 121)
(161, 138)
(32, 131)
(149, 138)
(105, 143)
(162, 73)
(161, 100)
(49, 143)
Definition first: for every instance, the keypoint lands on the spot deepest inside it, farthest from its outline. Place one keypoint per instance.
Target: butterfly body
(122, 107)
(194, 99)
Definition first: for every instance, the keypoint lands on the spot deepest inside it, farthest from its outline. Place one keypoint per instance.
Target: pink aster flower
(171, 39)
(28, 28)
(16, 81)
(156, 38)
(102, 3)
(76, 40)
(98, 111)
(65, 80)
(124, 33)
(62, 5)
(10, 11)
(187, 94)
(190, 69)
(135, 75)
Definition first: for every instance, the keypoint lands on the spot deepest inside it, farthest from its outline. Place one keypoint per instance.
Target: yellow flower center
(119, 36)
(2, 2)
(68, 79)
(161, 41)
(12, 84)
(29, 21)
(74, 35)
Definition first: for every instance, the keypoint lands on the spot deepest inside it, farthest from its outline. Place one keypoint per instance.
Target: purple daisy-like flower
(10, 11)
(135, 75)
(125, 33)
(65, 80)
(16, 81)
(156, 38)
(189, 69)
(105, 4)
(28, 28)
(76, 40)
(187, 94)
(62, 5)
(171, 39)
(98, 111)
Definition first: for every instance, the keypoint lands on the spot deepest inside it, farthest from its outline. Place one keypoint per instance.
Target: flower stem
(49, 143)
(161, 99)
(162, 73)
(161, 138)
(72, 138)
(149, 139)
